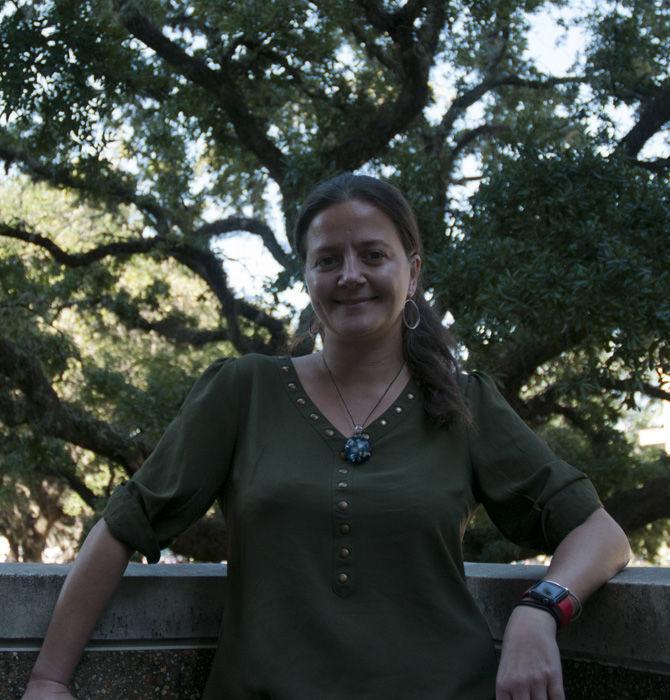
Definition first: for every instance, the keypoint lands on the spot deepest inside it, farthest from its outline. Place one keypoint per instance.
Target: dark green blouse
(346, 581)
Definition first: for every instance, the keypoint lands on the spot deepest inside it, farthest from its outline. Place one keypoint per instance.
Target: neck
(365, 361)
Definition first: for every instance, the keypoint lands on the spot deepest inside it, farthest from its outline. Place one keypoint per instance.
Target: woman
(348, 477)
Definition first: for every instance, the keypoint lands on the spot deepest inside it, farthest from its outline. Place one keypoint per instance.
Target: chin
(358, 331)
(357, 326)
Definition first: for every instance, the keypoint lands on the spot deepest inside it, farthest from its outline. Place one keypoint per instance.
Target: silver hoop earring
(314, 327)
(408, 325)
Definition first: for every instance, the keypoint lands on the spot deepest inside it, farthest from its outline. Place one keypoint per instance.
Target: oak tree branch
(219, 83)
(62, 420)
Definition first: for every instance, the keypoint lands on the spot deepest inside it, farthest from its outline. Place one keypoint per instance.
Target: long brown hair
(426, 349)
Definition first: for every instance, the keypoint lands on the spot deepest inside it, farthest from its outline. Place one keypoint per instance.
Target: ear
(414, 273)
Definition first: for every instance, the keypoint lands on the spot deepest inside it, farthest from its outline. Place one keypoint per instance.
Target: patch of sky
(554, 42)
(312, 18)
(554, 39)
(27, 6)
(188, 41)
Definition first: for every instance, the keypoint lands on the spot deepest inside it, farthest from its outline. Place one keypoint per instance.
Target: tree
(162, 127)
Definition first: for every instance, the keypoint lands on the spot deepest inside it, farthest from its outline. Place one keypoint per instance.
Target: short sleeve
(186, 471)
(531, 495)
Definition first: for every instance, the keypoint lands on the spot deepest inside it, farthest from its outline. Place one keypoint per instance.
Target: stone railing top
(164, 604)
(627, 622)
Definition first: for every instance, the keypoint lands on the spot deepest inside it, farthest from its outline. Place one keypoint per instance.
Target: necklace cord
(359, 428)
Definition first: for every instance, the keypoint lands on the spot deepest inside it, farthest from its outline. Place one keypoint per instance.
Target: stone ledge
(619, 648)
(193, 593)
(625, 623)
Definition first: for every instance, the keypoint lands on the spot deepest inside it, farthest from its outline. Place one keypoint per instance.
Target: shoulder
(476, 385)
(244, 367)
(255, 364)
(488, 406)
(247, 370)
(239, 380)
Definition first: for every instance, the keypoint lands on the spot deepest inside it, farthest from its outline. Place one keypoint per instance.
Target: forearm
(590, 555)
(88, 587)
(530, 664)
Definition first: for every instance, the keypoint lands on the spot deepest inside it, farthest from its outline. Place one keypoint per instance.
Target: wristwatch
(552, 597)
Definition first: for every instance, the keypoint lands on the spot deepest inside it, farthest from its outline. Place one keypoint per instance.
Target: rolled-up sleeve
(186, 472)
(531, 495)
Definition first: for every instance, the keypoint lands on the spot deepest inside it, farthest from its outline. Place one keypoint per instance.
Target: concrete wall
(158, 635)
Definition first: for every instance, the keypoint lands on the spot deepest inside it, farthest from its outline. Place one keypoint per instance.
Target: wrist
(554, 599)
(538, 618)
(543, 613)
(43, 676)
(45, 684)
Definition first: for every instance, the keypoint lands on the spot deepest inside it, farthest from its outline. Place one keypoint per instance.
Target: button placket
(342, 545)
(342, 478)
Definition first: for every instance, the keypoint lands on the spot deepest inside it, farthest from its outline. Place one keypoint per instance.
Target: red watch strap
(565, 610)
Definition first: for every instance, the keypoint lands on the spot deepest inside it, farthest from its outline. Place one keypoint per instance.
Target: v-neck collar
(407, 400)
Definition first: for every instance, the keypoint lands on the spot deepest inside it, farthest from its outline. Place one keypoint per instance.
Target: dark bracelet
(532, 604)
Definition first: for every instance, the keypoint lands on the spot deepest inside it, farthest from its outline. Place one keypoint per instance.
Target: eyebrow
(375, 242)
(368, 243)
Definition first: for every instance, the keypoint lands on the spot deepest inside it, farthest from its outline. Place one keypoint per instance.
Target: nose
(351, 272)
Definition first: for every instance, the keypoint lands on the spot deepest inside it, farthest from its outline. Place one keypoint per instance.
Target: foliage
(572, 245)
(140, 134)
(61, 317)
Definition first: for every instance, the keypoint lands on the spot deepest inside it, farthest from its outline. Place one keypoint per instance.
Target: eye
(374, 255)
(327, 261)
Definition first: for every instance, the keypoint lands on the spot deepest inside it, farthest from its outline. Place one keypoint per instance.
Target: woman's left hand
(530, 662)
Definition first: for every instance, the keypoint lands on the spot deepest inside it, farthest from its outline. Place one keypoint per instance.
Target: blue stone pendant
(357, 449)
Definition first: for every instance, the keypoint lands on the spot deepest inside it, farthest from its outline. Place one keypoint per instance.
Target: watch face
(548, 592)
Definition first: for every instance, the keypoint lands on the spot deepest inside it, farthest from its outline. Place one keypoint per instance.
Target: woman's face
(357, 272)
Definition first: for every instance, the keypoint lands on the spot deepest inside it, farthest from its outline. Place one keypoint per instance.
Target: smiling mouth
(353, 302)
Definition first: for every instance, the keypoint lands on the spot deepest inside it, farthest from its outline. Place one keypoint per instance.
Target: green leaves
(570, 243)
(629, 56)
